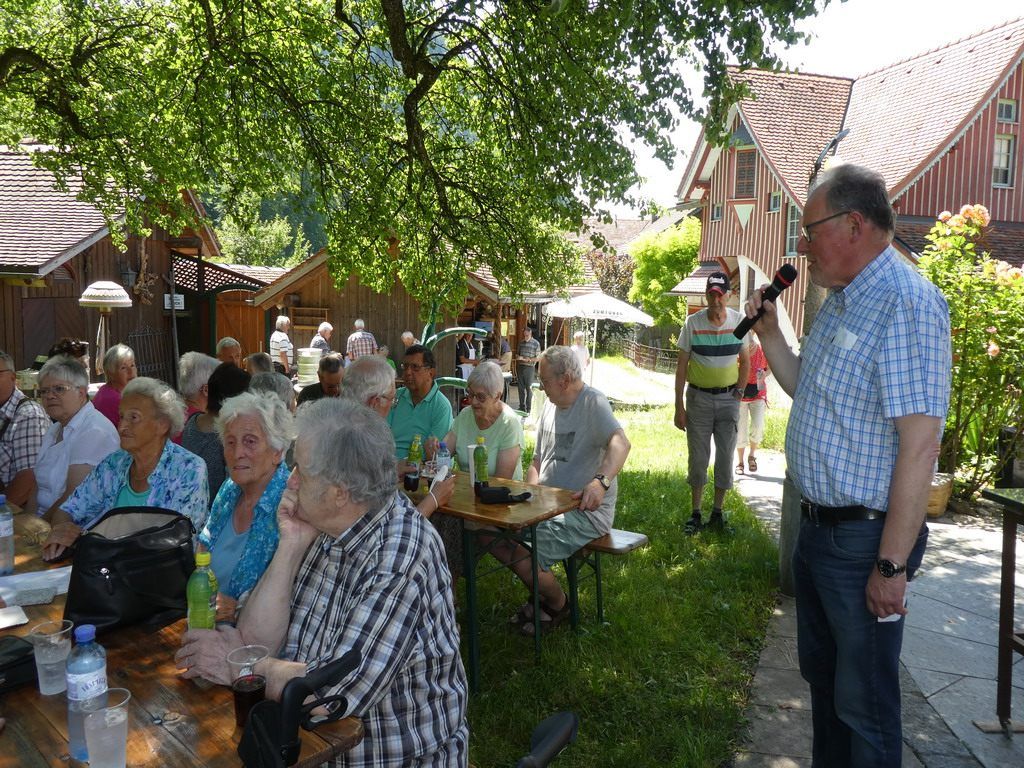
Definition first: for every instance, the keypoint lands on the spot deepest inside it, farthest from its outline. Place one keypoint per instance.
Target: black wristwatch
(888, 568)
(604, 481)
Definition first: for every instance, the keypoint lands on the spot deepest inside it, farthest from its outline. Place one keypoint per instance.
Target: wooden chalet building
(942, 127)
(53, 245)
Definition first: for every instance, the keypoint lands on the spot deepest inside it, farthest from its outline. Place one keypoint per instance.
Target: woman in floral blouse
(241, 534)
(147, 471)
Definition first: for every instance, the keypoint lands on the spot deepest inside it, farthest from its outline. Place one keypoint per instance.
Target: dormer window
(746, 169)
(1006, 111)
(774, 202)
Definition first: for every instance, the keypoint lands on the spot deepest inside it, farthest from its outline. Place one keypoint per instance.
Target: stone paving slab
(974, 699)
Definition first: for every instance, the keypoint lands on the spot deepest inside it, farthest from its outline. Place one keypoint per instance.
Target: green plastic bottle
(416, 450)
(480, 464)
(198, 592)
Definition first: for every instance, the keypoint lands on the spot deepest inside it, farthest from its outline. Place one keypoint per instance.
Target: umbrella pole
(593, 353)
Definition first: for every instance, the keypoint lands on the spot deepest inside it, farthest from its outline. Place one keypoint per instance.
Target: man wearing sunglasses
(870, 391)
(420, 408)
(22, 426)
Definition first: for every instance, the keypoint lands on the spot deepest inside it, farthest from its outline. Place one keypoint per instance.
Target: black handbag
(17, 665)
(132, 565)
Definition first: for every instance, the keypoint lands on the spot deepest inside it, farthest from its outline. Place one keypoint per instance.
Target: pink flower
(966, 211)
(981, 214)
(944, 216)
(993, 349)
(990, 329)
(956, 222)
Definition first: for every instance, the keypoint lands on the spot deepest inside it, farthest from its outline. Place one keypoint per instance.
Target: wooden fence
(651, 358)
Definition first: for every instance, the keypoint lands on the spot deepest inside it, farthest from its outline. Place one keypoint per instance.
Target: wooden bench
(615, 542)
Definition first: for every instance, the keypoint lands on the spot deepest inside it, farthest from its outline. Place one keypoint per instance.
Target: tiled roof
(695, 283)
(1002, 239)
(620, 234)
(902, 117)
(40, 227)
(265, 275)
(792, 117)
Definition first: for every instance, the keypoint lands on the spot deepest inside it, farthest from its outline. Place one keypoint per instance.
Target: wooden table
(514, 521)
(172, 721)
(1012, 501)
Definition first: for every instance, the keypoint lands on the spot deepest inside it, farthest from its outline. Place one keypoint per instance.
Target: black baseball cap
(718, 282)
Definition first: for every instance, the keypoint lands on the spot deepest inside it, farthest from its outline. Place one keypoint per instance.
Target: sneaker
(718, 525)
(693, 525)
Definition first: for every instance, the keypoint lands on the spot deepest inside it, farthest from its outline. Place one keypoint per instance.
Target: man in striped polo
(711, 364)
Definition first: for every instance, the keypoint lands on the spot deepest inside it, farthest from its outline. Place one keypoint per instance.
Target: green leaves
(662, 260)
(469, 133)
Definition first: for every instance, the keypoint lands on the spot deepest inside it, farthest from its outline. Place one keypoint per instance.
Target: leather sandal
(739, 468)
(549, 619)
(524, 614)
(752, 464)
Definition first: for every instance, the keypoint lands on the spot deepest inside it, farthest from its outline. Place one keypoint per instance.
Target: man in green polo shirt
(420, 408)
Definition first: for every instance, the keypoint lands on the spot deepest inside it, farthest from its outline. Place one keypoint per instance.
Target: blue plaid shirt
(383, 587)
(879, 349)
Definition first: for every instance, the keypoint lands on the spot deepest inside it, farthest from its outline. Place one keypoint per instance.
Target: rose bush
(986, 308)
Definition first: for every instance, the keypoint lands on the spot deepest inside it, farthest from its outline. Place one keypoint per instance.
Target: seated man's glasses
(805, 230)
(414, 367)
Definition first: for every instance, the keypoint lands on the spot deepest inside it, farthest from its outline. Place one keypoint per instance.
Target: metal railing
(650, 358)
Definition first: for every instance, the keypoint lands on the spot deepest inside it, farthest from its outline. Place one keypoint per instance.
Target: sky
(849, 39)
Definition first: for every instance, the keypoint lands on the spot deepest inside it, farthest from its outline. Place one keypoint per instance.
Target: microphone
(783, 279)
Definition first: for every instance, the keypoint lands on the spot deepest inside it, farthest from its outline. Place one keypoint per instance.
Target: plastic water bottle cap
(86, 633)
(202, 558)
(442, 447)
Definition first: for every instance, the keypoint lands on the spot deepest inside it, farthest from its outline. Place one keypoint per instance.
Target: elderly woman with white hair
(579, 347)
(194, 369)
(490, 418)
(118, 370)
(241, 533)
(147, 471)
(79, 438)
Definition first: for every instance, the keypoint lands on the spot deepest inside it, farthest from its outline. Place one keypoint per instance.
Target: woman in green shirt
(487, 415)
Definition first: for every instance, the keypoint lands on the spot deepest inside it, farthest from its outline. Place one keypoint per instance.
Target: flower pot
(938, 496)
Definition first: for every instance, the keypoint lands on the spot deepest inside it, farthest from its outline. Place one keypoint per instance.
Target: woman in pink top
(118, 369)
(752, 410)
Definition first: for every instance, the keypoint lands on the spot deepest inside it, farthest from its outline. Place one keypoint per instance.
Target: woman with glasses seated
(148, 470)
(489, 417)
(79, 438)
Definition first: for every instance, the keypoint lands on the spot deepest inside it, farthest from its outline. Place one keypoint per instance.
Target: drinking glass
(249, 687)
(51, 641)
(106, 728)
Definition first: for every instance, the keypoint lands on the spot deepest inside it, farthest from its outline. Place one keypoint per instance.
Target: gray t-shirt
(570, 446)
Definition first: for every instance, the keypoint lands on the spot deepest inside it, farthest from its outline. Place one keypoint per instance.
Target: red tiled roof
(792, 117)
(903, 117)
(40, 227)
(1002, 239)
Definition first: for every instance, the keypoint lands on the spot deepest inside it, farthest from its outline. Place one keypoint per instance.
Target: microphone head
(785, 276)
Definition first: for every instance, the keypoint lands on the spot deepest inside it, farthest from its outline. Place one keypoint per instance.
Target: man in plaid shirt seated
(360, 568)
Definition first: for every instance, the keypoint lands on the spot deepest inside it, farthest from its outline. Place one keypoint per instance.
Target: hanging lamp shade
(105, 295)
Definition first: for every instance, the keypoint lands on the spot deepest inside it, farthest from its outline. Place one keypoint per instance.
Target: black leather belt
(832, 515)
(713, 390)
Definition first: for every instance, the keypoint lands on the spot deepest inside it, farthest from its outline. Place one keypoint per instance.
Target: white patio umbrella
(597, 306)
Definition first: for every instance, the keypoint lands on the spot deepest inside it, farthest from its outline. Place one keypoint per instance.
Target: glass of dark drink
(247, 684)
(412, 481)
(249, 690)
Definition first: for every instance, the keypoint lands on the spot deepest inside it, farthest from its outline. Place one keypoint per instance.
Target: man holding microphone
(870, 392)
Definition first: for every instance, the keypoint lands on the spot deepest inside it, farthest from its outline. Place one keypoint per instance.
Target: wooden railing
(651, 358)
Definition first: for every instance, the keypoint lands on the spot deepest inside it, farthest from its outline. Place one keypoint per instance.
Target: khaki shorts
(561, 536)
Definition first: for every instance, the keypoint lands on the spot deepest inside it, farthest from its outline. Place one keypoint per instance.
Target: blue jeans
(849, 658)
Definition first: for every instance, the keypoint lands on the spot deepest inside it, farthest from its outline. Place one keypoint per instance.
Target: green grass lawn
(664, 681)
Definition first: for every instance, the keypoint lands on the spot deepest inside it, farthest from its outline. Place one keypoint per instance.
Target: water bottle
(444, 457)
(480, 465)
(6, 538)
(202, 605)
(87, 680)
